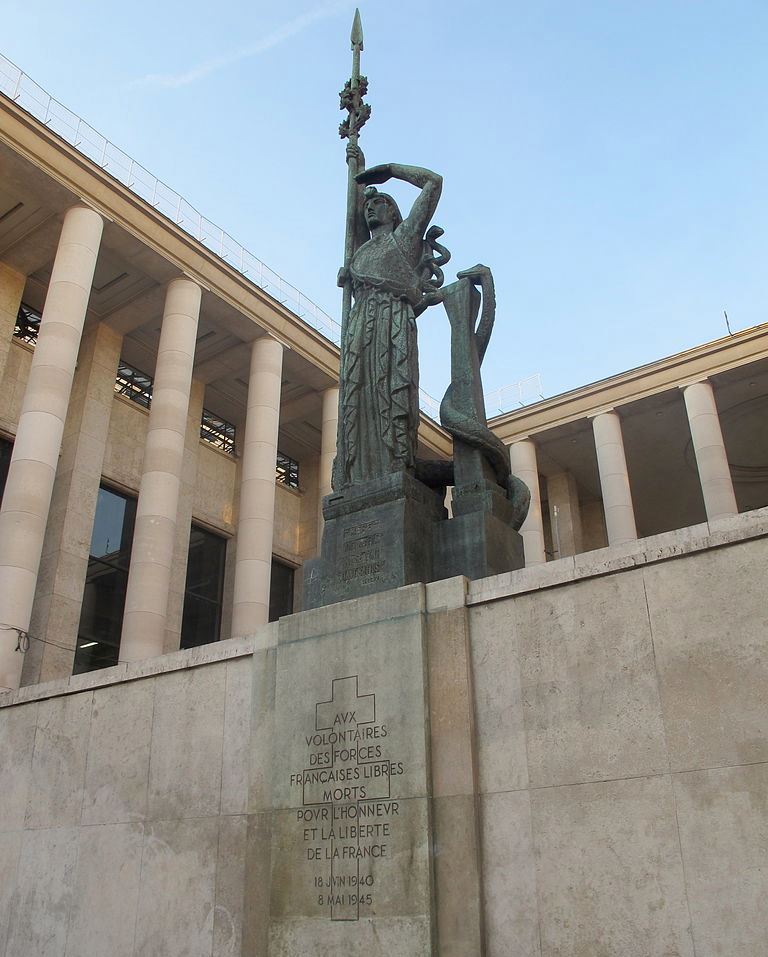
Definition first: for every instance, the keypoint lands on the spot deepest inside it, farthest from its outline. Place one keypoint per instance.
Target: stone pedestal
(377, 536)
(479, 540)
(341, 818)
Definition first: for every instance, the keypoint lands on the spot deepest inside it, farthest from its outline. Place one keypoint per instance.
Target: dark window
(27, 324)
(280, 590)
(134, 384)
(218, 432)
(287, 470)
(201, 620)
(101, 617)
(6, 448)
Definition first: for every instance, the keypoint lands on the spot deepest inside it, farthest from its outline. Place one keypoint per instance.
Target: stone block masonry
(565, 760)
(346, 792)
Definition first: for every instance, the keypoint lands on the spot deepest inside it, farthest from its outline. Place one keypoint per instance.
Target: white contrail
(273, 39)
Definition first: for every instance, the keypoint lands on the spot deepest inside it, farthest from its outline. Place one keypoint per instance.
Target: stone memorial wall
(346, 781)
(565, 760)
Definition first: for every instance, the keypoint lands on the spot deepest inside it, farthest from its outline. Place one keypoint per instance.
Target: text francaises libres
(348, 814)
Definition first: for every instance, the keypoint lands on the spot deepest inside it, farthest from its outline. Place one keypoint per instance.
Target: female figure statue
(391, 272)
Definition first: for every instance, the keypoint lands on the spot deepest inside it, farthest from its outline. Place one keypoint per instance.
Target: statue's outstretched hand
(375, 175)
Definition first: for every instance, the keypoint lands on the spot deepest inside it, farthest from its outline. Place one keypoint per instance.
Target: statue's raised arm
(410, 232)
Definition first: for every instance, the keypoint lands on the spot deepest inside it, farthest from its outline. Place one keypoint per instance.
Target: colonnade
(35, 459)
(615, 486)
(38, 443)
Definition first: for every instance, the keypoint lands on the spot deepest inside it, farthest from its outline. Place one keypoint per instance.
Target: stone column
(178, 581)
(614, 478)
(711, 458)
(64, 562)
(11, 290)
(38, 438)
(327, 452)
(256, 519)
(522, 456)
(146, 600)
(564, 514)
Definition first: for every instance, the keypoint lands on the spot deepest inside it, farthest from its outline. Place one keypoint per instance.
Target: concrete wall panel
(118, 756)
(45, 889)
(237, 727)
(713, 669)
(609, 870)
(177, 889)
(106, 891)
(723, 816)
(10, 850)
(58, 762)
(501, 745)
(187, 743)
(509, 874)
(17, 742)
(590, 699)
(230, 881)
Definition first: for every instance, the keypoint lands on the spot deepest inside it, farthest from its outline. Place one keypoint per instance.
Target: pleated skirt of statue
(379, 401)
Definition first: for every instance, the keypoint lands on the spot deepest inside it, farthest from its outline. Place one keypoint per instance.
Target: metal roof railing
(17, 86)
(515, 394)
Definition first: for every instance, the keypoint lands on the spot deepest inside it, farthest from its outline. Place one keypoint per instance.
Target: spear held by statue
(351, 100)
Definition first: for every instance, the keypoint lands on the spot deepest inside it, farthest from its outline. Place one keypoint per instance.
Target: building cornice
(660, 376)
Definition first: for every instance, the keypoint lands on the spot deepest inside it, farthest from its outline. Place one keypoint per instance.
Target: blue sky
(606, 159)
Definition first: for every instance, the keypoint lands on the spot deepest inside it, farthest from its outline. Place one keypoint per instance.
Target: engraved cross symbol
(345, 707)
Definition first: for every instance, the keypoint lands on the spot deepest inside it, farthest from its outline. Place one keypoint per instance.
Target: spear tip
(357, 31)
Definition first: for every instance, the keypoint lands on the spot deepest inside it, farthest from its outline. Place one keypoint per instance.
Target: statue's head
(381, 209)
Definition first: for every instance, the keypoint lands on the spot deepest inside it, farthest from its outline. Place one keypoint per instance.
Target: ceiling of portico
(742, 403)
(666, 491)
(570, 448)
(661, 462)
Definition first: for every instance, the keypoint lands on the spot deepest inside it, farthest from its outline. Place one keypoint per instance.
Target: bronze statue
(390, 274)
(392, 271)
(385, 521)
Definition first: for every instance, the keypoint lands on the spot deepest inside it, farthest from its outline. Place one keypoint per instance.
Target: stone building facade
(143, 376)
(597, 722)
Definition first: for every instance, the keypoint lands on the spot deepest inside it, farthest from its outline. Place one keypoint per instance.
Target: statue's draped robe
(379, 401)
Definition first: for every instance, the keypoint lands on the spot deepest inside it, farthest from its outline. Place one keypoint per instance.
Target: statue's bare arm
(412, 229)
